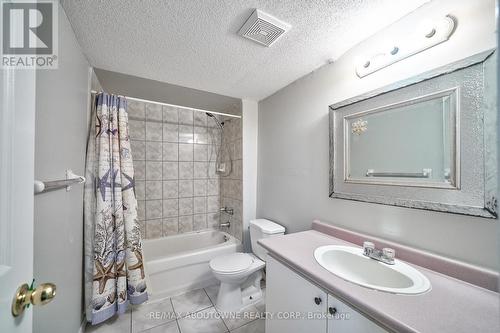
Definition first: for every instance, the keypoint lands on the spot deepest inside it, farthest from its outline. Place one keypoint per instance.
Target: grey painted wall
(133, 86)
(293, 143)
(60, 142)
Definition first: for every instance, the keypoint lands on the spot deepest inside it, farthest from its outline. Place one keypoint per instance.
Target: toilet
(240, 273)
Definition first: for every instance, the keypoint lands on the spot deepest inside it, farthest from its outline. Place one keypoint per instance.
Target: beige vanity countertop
(451, 306)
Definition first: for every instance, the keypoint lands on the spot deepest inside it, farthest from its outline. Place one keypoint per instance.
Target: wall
(157, 91)
(174, 152)
(250, 131)
(293, 143)
(231, 184)
(62, 104)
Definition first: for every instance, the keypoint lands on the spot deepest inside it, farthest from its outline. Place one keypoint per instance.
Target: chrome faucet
(386, 255)
(227, 210)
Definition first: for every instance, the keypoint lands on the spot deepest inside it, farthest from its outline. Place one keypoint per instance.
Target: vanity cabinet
(344, 319)
(295, 305)
(290, 297)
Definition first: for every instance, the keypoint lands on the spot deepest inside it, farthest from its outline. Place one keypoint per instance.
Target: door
(344, 319)
(17, 127)
(293, 304)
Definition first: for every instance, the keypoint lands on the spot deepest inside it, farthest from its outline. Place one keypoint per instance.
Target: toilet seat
(231, 263)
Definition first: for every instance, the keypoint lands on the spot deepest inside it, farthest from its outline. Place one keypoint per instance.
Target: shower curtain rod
(177, 106)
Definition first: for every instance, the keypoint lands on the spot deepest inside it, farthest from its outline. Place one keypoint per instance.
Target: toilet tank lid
(266, 226)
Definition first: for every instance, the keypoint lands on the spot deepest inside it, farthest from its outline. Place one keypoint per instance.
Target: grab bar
(53, 185)
(426, 173)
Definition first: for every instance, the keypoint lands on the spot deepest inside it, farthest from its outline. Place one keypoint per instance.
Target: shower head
(211, 115)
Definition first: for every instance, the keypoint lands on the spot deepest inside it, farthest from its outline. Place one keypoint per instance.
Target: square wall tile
(186, 170)
(153, 228)
(213, 204)
(154, 131)
(153, 151)
(201, 152)
(211, 170)
(170, 189)
(170, 226)
(213, 186)
(170, 208)
(237, 149)
(212, 152)
(137, 130)
(153, 209)
(170, 151)
(153, 189)
(170, 132)
(200, 170)
(185, 223)
(200, 135)
(170, 170)
(213, 220)
(200, 118)
(200, 187)
(185, 188)
(185, 206)
(140, 190)
(136, 109)
(185, 151)
(199, 221)
(200, 205)
(154, 170)
(185, 116)
(213, 135)
(237, 172)
(139, 170)
(154, 111)
(186, 134)
(170, 114)
(138, 150)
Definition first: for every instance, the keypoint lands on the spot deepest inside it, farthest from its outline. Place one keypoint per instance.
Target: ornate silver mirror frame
(471, 186)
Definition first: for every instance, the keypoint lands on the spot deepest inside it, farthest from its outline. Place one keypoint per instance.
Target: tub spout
(225, 225)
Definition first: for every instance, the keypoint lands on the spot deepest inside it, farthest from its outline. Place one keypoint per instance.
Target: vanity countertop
(450, 306)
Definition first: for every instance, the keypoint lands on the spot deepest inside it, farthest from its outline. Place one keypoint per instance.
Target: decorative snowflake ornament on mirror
(359, 126)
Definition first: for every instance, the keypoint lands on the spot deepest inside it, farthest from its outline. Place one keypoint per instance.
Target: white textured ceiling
(194, 43)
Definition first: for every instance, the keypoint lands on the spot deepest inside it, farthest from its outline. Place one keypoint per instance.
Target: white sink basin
(350, 264)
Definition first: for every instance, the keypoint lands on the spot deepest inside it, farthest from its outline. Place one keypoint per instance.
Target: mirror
(428, 142)
(420, 132)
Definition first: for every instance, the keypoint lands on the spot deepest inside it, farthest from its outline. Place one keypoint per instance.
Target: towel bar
(53, 185)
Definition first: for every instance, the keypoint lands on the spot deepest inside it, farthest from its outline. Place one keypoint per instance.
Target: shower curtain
(114, 266)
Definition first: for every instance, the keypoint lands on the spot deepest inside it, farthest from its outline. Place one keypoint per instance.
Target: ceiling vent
(263, 28)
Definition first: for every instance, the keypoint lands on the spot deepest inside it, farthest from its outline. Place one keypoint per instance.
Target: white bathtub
(179, 263)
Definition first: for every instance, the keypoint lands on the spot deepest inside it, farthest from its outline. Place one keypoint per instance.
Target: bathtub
(180, 262)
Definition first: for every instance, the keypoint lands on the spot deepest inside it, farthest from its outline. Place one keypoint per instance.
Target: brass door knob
(41, 295)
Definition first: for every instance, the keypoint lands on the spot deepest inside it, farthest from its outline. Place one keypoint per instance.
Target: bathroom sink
(350, 264)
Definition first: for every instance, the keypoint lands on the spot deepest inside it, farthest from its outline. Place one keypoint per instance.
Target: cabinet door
(293, 304)
(344, 319)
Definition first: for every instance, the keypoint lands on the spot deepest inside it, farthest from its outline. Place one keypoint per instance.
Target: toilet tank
(262, 228)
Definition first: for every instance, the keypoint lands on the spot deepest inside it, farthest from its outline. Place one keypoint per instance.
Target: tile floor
(191, 312)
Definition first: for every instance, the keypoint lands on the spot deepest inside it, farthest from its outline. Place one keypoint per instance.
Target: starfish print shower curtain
(114, 267)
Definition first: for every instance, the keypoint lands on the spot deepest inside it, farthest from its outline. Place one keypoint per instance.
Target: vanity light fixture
(428, 36)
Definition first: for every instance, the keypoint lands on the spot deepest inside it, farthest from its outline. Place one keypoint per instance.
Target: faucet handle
(368, 248)
(389, 253)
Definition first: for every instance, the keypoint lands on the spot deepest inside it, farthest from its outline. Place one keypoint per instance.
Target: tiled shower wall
(232, 184)
(174, 153)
